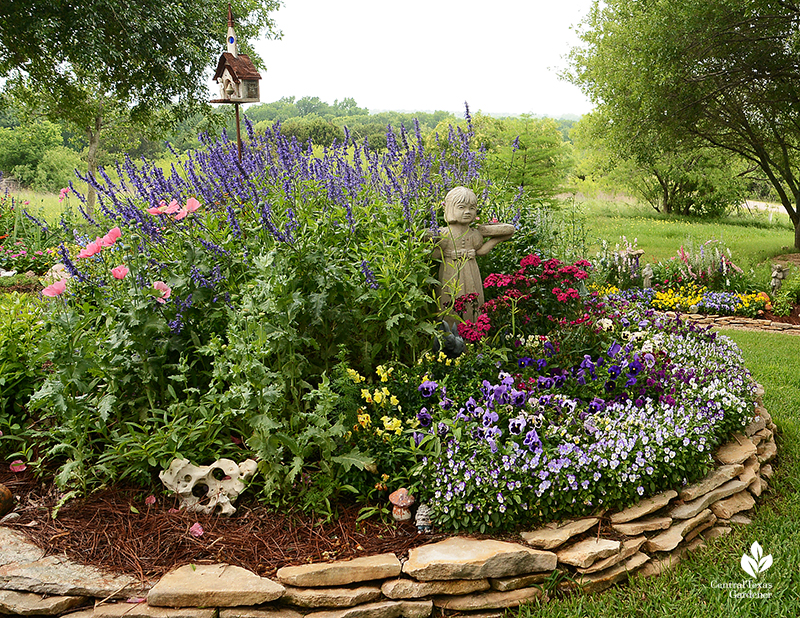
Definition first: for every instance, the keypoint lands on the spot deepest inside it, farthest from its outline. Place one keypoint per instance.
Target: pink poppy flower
(173, 207)
(55, 289)
(110, 238)
(196, 529)
(191, 205)
(158, 210)
(120, 272)
(91, 249)
(18, 466)
(63, 193)
(165, 290)
(150, 500)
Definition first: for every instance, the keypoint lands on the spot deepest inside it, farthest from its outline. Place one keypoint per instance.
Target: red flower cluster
(475, 331)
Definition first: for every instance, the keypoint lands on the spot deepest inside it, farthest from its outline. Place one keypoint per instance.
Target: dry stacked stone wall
(459, 574)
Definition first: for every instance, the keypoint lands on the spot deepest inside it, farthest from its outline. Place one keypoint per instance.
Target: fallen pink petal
(18, 466)
(196, 529)
(135, 600)
(151, 499)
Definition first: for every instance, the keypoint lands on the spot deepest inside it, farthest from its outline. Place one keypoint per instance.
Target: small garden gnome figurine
(458, 246)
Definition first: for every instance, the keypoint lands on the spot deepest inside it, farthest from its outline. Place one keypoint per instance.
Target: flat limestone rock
(505, 584)
(692, 536)
(341, 572)
(585, 553)
(30, 604)
(628, 549)
(738, 450)
(751, 470)
(57, 575)
(213, 585)
(758, 423)
(758, 486)
(635, 528)
(725, 509)
(716, 531)
(767, 451)
(330, 597)
(487, 600)
(258, 612)
(383, 609)
(412, 589)
(143, 610)
(605, 579)
(15, 548)
(465, 558)
(660, 564)
(690, 509)
(669, 540)
(713, 479)
(644, 507)
(740, 519)
(550, 538)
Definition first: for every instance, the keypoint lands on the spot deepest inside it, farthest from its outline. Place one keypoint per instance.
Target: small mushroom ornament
(402, 502)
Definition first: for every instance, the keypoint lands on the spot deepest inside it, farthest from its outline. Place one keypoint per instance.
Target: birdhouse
(236, 74)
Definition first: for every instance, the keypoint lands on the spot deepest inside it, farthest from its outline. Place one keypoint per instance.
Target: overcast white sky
(501, 56)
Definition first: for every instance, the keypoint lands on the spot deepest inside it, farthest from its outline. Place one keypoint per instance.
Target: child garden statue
(457, 247)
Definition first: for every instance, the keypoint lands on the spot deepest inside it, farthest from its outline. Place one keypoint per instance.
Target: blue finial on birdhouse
(233, 48)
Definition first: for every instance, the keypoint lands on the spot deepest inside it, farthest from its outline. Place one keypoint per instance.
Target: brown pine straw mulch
(103, 530)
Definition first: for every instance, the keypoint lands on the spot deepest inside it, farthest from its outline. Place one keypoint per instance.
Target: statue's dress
(458, 272)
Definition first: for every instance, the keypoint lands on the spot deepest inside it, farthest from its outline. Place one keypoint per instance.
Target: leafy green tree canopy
(724, 74)
(148, 53)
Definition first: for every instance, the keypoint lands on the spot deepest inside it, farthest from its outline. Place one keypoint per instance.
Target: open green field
(753, 236)
(690, 590)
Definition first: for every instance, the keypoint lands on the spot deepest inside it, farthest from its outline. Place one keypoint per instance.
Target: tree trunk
(796, 234)
(93, 136)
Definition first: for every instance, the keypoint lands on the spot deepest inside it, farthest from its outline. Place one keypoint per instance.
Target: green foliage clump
(21, 367)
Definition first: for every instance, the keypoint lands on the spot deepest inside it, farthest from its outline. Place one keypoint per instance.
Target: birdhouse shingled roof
(241, 67)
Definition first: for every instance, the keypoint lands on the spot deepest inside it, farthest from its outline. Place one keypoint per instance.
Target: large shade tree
(91, 61)
(725, 74)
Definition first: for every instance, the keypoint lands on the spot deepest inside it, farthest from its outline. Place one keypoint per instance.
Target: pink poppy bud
(196, 530)
(150, 500)
(55, 289)
(120, 271)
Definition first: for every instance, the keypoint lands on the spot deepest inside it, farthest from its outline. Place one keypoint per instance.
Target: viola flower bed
(694, 298)
(539, 438)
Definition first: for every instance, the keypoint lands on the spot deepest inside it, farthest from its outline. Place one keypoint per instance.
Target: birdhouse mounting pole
(238, 132)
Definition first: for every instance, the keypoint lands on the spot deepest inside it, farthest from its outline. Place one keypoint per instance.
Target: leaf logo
(756, 563)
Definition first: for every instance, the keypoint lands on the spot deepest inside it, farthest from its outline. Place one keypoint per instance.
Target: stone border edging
(459, 573)
(736, 321)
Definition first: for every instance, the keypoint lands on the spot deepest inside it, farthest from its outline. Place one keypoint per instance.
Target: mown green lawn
(690, 590)
(753, 236)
